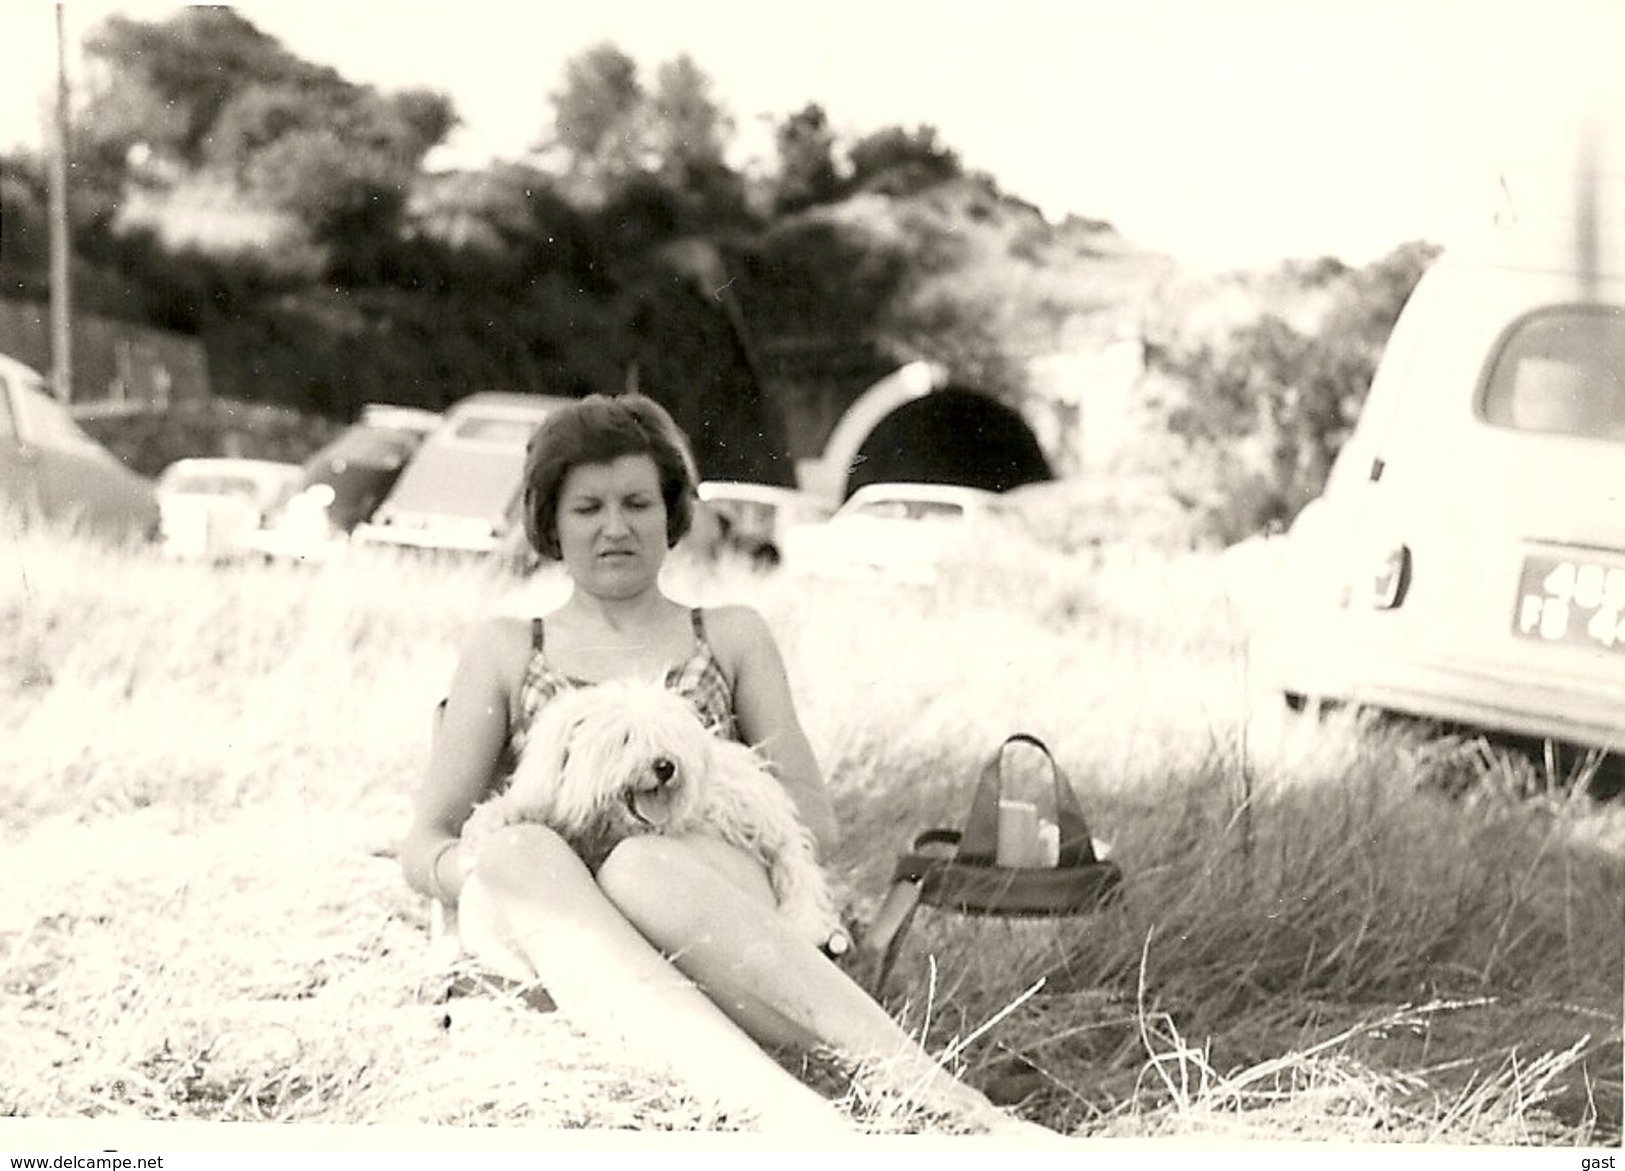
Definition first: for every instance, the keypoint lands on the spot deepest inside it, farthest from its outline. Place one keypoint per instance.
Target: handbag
(959, 870)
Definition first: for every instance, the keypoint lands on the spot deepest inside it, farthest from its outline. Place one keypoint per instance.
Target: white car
(756, 516)
(342, 483)
(209, 507)
(1466, 562)
(892, 532)
(461, 491)
(51, 470)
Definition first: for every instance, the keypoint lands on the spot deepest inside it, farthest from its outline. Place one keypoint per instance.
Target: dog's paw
(486, 820)
(815, 922)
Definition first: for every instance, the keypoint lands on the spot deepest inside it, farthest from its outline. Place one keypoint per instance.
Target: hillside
(757, 331)
(499, 282)
(287, 219)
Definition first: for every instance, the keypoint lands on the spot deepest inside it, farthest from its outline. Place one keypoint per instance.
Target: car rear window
(511, 432)
(1561, 371)
(378, 447)
(911, 510)
(214, 484)
(50, 425)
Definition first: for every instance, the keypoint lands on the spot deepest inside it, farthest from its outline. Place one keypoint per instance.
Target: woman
(672, 946)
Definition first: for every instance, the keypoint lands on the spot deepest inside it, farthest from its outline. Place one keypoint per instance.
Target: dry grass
(200, 771)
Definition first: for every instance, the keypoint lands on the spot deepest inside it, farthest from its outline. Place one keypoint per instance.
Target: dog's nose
(664, 769)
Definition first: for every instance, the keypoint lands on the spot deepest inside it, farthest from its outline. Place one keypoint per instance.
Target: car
(52, 471)
(208, 506)
(1465, 563)
(753, 518)
(892, 532)
(461, 492)
(342, 483)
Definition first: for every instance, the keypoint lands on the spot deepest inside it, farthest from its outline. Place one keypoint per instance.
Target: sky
(1225, 132)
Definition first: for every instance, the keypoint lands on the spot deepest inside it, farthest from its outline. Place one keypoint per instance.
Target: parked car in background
(461, 492)
(209, 506)
(343, 482)
(753, 518)
(891, 532)
(50, 470)
(1466, 561)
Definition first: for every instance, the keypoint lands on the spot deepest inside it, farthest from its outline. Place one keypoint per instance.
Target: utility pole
(61, 328)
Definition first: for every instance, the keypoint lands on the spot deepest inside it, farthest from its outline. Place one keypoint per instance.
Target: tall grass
(202, 771)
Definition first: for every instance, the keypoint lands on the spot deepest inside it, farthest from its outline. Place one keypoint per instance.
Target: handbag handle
(979, 843)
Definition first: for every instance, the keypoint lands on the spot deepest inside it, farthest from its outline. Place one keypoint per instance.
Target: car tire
(1313, 706)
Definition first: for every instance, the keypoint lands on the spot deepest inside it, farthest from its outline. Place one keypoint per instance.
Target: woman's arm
(468, 743)
(766, 713)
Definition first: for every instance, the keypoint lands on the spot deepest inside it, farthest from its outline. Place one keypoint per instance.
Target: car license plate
(1572, 600)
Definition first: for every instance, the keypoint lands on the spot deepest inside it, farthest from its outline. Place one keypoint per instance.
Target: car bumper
(1576, 708)
(426, 539)
(285, 546)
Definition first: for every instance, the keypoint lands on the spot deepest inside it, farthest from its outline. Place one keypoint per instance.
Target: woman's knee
(638, 867)
(656, 876)
(524, 859)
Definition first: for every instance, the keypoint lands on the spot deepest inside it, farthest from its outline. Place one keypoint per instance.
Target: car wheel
(1299, 703)
(1315, 706)
(1609, 782)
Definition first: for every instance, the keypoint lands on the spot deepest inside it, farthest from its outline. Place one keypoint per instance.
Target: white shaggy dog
(623, 758)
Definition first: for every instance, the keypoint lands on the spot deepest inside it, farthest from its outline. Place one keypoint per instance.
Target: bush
(149, 443)
(1264, 410)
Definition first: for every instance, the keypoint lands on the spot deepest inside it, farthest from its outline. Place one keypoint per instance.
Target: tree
(688, 133)
(425, 117)
(595, 112)
(806, 148)
(903, 160)
(259, 117)
(688, 129)
(211, 96)
(1266, 410)
(24, 226)
(165, 84)
(622, 141)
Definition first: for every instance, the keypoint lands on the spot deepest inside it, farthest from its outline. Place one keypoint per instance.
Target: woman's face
(612, 526)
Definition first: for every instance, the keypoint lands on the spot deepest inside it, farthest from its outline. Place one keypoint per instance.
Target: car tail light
(1390, 578)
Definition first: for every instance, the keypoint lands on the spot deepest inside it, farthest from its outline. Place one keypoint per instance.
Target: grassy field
(202, 772)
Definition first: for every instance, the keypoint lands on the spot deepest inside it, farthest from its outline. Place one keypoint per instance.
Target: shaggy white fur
(623, 758)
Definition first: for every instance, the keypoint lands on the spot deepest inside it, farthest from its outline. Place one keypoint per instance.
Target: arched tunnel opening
(951, 436)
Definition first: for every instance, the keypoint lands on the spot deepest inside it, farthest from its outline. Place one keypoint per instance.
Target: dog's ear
(547, 750)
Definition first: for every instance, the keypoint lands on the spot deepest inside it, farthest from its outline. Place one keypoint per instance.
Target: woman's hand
(471, 732)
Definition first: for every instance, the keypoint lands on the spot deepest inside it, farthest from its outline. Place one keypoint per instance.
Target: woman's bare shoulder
(498, 645)
(739, 635)
(735, 626)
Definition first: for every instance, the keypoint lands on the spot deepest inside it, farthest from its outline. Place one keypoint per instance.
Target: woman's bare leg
(535, 895)
(779, 988)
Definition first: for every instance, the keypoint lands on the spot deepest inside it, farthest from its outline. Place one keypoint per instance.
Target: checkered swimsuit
(698, 679)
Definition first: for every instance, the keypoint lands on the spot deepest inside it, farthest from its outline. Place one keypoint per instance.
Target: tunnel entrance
(951, 436)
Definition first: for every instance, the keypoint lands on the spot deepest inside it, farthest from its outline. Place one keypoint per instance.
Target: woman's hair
(597, 430)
